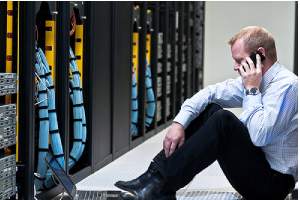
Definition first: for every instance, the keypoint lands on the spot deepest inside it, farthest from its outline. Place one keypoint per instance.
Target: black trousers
(217, 134)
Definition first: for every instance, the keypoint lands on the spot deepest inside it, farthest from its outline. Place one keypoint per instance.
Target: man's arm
(268, 118)
(228, 94)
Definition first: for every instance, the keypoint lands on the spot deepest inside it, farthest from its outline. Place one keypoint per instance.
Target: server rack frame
(172, 38)
(179, 8)
(27, 110)
(199, 36)
(153, 57)
(87, 168)
(62, 75)
(188, 51)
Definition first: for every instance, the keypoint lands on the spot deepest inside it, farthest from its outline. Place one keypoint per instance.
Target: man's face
(238, 54)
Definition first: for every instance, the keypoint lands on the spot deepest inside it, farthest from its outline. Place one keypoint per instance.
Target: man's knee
(213, 107)
(224, 116)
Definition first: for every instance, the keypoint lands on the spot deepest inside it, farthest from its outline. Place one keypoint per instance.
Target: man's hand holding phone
(174, 137)
(251, 74)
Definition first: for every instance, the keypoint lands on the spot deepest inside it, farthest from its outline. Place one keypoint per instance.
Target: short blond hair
(255, 37)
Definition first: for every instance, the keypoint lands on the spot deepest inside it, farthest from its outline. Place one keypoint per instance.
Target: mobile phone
(253, 57)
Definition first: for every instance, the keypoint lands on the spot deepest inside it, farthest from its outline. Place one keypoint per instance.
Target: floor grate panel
(212, 195)
(207, 195)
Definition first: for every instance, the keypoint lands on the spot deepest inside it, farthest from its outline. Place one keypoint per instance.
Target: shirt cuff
(183, 118)
(251, 101)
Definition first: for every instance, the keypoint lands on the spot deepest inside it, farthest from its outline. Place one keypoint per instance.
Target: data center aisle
(136, 162)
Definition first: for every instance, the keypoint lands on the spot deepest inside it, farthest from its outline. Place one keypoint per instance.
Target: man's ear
(262, 51)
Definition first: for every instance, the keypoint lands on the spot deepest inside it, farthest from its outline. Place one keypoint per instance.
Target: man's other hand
(174, 137)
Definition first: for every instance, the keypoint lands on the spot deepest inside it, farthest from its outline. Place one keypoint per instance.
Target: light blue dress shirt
(271, 116)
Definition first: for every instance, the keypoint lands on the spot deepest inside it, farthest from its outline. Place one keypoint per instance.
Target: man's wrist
(178, 124)
(252, 91)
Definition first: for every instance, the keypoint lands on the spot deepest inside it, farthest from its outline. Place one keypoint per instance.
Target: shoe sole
(133, 193)
(124, 188)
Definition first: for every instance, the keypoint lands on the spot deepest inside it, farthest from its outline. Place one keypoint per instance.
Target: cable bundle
(150, 109)
(43, 124)
(78, 112)
(48, 120)
(55, 139)
(134, 106)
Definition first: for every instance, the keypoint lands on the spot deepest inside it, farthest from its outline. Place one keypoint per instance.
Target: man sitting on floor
(257, 151)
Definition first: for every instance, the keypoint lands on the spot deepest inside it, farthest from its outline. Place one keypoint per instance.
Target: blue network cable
(134, 107)
(43, 125)
(78, 112)
(55, 139)
(150, 106)
(76, 96)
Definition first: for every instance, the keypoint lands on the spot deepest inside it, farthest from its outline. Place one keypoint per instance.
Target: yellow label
(148, 48)
(50, 48)
(79, 49)
(9, 43)
(135, 53)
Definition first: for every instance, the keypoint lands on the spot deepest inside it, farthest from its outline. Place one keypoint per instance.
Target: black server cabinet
(121, 76)
(98, 79)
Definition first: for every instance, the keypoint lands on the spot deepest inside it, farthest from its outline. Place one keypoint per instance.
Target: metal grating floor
(210, 195)
(207, 195)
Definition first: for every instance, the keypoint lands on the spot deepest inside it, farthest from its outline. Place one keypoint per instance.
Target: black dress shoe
(148, 186)
(151, 190)
(136, 183)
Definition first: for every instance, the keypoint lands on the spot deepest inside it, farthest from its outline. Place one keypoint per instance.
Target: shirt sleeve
(268, 117)
(228, 94)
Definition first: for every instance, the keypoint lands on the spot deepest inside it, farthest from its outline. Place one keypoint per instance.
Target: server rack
(107, 77)
(172, 60)
(141, 10)
(180, 31)
(198, 44)
(154, 7)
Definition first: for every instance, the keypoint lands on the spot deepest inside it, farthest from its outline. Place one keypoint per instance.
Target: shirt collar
(269, 75)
